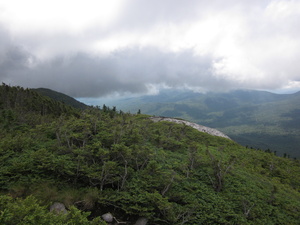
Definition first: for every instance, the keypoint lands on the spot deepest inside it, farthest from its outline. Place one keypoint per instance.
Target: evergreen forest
(258, 119)
(98, 160)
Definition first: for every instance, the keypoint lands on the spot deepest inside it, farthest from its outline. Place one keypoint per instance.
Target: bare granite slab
(196, 126)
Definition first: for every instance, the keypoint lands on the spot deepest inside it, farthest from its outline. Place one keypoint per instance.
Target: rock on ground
(108, 217)
(58, 207)
(196, 126)
(141, 221)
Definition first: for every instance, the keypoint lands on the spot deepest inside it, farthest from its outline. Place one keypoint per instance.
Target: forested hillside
(61, 98)
(102, 160)
(257, 119)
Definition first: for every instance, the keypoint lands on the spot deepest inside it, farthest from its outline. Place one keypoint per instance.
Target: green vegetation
(104, 160)
(251, 118)
(61, 97)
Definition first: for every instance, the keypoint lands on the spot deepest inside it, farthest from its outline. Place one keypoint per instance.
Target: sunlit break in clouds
(99, 48)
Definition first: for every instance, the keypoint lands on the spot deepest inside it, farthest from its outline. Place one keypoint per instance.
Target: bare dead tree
(167, 187)
(247, 207)
(220, 169)
(124, 176)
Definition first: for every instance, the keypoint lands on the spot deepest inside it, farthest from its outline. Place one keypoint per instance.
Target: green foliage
(101, 160)
(29, 211)
(254, 118)
(61, 98)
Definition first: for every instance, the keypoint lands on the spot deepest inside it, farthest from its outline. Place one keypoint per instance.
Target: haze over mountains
(257, 119)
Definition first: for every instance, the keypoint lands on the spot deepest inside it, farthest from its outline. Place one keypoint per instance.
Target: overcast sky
(95, 48)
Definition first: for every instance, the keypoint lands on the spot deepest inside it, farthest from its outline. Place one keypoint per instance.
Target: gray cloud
(130, 70)
(125, 71)
(14, 59)
(254, 42)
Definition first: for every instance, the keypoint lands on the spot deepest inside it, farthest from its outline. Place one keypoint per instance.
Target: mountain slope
(99, 161)
(254, 118)
(61, 97)
(21, 107)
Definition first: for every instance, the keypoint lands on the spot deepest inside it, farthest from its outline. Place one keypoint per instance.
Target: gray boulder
(108, 217)
(58, 208)
(141, 221)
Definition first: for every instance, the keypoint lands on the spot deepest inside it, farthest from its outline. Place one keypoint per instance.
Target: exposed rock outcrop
(198, 127)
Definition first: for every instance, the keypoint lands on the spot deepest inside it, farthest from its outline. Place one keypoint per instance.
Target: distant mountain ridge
(257, 119)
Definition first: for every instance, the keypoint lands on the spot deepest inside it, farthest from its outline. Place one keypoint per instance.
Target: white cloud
(50, 16)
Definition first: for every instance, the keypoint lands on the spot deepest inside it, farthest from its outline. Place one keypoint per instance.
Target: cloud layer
(91, 49)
